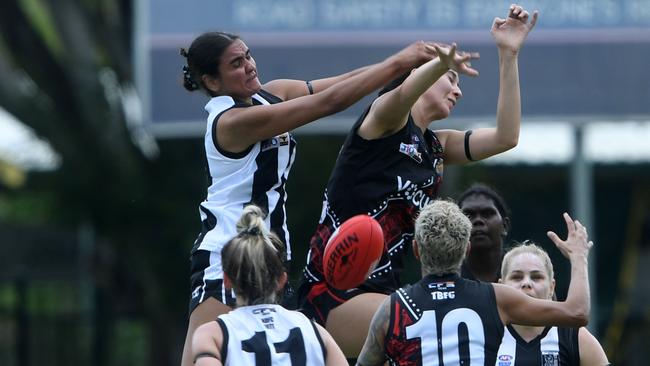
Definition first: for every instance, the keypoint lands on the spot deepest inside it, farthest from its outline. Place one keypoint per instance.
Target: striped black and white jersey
(555, 346)
(444, 320)
(256, 175)
(270, 335)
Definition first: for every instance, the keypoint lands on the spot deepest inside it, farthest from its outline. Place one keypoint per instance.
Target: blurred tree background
(94, 255)
(66, 72)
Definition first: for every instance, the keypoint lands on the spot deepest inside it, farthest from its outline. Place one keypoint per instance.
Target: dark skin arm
(238, 128)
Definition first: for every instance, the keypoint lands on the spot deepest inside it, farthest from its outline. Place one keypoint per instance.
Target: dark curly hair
(203, 58)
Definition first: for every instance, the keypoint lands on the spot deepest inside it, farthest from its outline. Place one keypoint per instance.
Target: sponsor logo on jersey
(550, 359)
(442, 286)
(413, 192)
(263, 311)
(277, 141)
(410, 150)
(268, 323)
(504, 360)
(443, 290)
(440, 295)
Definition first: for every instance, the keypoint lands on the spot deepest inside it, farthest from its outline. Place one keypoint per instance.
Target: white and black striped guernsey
(555, 346)
(270, 335)
(256, 175)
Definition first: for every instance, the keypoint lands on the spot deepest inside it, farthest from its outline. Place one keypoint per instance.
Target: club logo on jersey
(196, 292)
(550, 359)
(504, 360)
(415, 139)
(263, 311)
(275, 142)
(443, 290)
(410, 150)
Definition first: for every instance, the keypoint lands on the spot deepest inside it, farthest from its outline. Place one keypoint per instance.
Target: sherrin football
(352, 252)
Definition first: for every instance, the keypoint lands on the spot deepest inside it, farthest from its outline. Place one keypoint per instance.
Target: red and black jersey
(444, 320)
(390, 179)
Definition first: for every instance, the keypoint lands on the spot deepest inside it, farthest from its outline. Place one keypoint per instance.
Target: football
(352, 252)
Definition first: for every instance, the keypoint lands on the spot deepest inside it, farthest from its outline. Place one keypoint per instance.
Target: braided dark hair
(203, 58)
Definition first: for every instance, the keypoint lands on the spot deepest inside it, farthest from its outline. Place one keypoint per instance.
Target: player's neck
(485, 265)
(421, 119)
(528, 333)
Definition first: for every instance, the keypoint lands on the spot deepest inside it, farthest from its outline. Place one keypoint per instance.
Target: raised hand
(458, 61)
(511, 32)
(416, 54)
(577, 242)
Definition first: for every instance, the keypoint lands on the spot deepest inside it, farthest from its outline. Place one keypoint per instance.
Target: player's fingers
(438, 50)
(554, 238)
(498, 22)
(570, 225)
(440, 44)
(430, 49)
(467, 70)
(533, 21)
(578, 225)
(523, 16)
(464, 58)
(513, 11)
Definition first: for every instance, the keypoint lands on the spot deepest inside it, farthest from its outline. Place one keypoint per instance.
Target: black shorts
(316, 300)
(206, 280)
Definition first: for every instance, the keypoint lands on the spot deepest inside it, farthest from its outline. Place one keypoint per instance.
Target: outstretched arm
(389, 112)
(373, 351)
(238, 128)
(515, 307)
(509, 34)
(413, 56)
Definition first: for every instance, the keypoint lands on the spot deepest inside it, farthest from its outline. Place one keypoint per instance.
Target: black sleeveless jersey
(555, 346)
(444, 320)
(391, 179)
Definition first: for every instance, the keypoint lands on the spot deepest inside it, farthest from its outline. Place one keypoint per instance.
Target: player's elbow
(581, 321)
(580, 317)
(508, 142)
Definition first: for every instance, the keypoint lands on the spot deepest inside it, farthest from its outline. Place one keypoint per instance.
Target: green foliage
(40, 17)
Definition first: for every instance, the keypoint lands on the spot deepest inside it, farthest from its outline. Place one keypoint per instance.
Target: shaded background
(94, 246)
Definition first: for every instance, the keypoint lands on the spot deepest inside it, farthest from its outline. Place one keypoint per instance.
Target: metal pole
(582, 183)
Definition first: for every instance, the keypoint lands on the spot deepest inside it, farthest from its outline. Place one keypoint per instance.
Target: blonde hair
(530, 248)
(442, 233)
(254, 260)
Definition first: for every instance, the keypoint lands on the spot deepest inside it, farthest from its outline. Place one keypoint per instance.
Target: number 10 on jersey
(445, 343)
